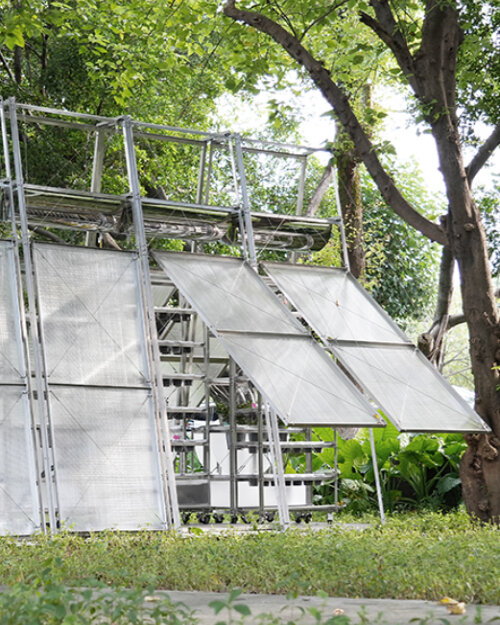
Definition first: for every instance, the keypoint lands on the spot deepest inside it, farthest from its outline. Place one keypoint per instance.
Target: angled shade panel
(412, 394)
(334, 304)
(228, 294)
(299, 379)
(300, 382)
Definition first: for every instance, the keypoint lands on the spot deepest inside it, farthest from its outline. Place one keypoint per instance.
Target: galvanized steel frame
(131, 130)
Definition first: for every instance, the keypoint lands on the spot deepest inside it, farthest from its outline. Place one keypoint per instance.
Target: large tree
(442, 49)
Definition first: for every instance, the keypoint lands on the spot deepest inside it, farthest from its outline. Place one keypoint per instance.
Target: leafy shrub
(416, 471)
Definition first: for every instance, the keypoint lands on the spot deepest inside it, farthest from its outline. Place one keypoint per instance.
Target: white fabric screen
(412, 394)
(302, 384)
(19, 505)
(106, 453)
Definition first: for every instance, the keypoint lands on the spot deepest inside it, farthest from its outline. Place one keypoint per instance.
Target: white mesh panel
(302, 384)
(334, 304)
(91, 319)
(227, 293)
(18, 499)
(299, 380)
(105, 462)
(408, 387)
(11, 359)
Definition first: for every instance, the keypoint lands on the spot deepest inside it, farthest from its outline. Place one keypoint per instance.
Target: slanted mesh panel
(11, 359)
(302, 384)
(404, 382)
(300, 380)
(18, 498)
(412, 394)
(107, 475)
(227, 293)
(92, 323)
(334, 303)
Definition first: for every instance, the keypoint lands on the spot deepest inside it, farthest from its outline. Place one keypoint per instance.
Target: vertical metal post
(241, 221)
(233, 454)
(336, 467)
(201, 174)
(345, 255)
(41, 388)
(163, 434)
(95, 183)
(277, 463)
(309, 466)
(245, 202)
(35, 466)
(377, 477)
(260, 457)
(206, 365)
(209, 171)
(300, 192)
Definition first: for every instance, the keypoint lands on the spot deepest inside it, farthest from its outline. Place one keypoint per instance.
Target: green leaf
(242, 609)
(217, 605)
(234, 594)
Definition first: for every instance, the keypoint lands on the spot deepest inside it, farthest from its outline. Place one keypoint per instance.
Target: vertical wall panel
(19, 508)
(106, 452)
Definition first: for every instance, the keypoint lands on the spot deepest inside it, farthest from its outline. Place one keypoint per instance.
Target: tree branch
(455, 320)
(387, 30)
(7, 68)
(48, 234)
(483, 154)
(339, 101)
(320, 191)
(321, 18)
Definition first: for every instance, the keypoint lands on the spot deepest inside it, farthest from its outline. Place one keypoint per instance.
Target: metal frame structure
(216, 437)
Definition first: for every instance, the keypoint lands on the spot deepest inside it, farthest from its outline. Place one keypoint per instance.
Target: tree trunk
(431, 342)
(431, 72)
(349, 185)
(480, 467)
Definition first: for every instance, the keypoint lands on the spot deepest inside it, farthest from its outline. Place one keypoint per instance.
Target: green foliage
(45, 599)
(413, 556)
(488, 203)
(416, 471)
(479, 62)
(401, 264)
(150, 58)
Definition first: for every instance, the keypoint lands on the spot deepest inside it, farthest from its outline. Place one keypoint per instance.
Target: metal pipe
(26, 357)
(96, 181)
(277, 463)
(245, 202)
(377, 477)
(201, 173)
(300, 194)
(233, 484)
(163, 433)
(40, 371)
(241, 222)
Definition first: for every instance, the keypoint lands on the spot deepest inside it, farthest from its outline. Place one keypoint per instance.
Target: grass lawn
(414, 556)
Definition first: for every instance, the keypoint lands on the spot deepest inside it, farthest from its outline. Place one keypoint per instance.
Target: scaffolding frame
(141, 218)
